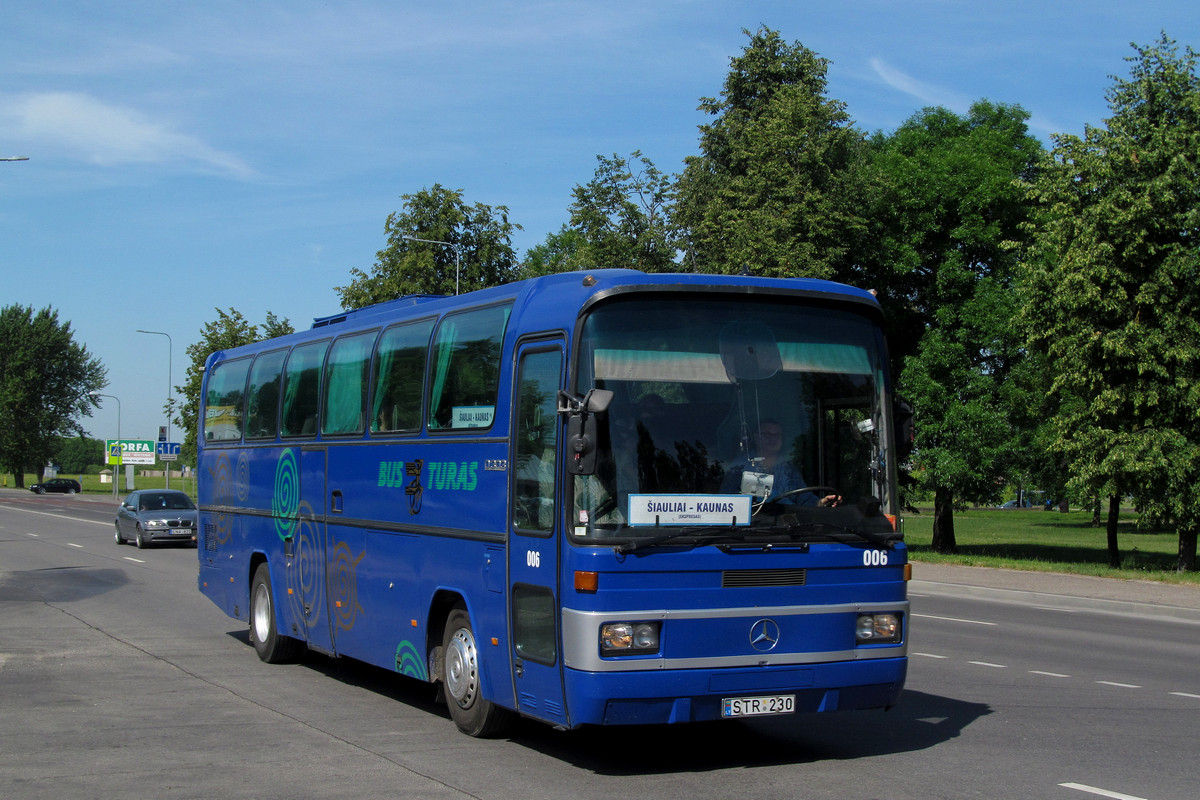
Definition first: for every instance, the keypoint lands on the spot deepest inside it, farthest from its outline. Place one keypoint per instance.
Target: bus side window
(466, 378)
(346, 385)
(262, 400)
(537, 424)
(400, 377)
(302, 390)
(223, 401)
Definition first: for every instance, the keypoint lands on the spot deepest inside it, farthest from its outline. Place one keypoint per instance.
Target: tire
(70, 491)
(461, 666)
(140, 540)
(41, 490)
(272, 646)
(117, 534)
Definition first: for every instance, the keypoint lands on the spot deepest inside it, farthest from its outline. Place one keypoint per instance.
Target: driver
(785, 476)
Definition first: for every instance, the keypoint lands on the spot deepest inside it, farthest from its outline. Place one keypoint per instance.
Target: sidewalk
(1148, 598)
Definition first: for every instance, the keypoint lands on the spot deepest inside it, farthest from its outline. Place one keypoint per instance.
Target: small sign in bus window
(473, 416)
(689, 509)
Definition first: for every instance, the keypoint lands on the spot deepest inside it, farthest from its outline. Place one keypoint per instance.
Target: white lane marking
(59, 516)
(1048, 674)
(1187, 694)
(988, 664)
(134, 560)
(955, 619)
(929, 655)
(1101, 792)
(1119, 685)
(72, 544)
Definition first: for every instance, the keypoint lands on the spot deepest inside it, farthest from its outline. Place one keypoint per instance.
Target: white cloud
(80, 126)
(928, 94)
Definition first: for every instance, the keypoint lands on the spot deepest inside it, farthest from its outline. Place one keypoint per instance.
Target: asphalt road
(118, 679)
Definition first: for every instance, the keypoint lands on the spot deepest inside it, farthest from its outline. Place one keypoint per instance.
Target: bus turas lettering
(458, 477)
(445, 475)
(391, 473)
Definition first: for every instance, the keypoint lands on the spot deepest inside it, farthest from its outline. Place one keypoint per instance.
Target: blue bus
(600, 498)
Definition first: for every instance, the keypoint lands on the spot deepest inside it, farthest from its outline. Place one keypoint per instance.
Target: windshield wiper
(795, 530)
(687, 533)
(885, 540)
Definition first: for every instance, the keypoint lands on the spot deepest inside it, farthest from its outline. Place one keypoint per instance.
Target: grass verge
(1049, 541)
(92, 485)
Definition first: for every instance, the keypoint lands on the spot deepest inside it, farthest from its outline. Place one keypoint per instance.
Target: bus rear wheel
(271, 646)
(472, 714)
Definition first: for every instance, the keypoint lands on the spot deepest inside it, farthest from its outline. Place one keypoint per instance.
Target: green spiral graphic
(409, 662)
(286, 502)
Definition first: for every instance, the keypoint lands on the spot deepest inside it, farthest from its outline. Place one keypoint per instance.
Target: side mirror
(581, 445)
(581, 428)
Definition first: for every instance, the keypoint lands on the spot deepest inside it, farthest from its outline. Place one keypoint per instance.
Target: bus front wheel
(272, 647)
(474, 715)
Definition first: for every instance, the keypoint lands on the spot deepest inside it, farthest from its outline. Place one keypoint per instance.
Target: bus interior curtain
(446, 339)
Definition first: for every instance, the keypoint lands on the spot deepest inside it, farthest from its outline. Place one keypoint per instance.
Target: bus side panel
(224, 475)
(357, 591)
(413, 522)
(262, 483)
(383, 587)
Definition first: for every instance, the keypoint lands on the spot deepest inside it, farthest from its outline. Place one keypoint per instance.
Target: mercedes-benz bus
(596, 498)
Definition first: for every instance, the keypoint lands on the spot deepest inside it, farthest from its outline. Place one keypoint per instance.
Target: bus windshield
(754, 420)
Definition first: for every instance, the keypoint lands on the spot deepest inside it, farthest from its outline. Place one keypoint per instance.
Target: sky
(224, 154)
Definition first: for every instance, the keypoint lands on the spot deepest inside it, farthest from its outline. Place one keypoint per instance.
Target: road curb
(1059, 601)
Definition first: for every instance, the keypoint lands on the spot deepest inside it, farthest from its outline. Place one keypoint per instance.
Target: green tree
(558, 253)
(229, 329)
(623, 216)
(948, 212)
(1112, 295)
(74, 454)
(776, 187)
(45, 378)
(477, 252)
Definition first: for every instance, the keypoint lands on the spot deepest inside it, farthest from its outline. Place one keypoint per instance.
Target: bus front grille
(742, 578)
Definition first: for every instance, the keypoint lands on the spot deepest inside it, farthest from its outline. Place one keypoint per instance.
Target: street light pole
(120, 450)
(170, 347)
(457, 265)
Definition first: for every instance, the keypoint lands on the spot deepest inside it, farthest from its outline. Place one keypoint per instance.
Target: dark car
(156, 515)
(61, 485)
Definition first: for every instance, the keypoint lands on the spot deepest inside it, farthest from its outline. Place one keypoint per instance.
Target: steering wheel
(825, 490)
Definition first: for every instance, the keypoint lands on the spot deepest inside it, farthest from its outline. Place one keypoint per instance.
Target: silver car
(156, 515)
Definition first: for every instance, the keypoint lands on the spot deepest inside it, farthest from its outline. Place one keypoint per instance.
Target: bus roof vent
(387, 305)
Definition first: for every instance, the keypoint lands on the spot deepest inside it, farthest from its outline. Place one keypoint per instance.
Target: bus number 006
(875, 558)
(533, 558)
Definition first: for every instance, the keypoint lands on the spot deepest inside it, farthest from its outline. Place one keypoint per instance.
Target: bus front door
(533, 556)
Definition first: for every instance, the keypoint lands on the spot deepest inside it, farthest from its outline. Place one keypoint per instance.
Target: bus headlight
(878, 628)
(628, 638)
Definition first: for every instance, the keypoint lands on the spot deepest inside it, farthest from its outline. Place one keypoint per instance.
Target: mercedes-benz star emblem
(764, 635)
